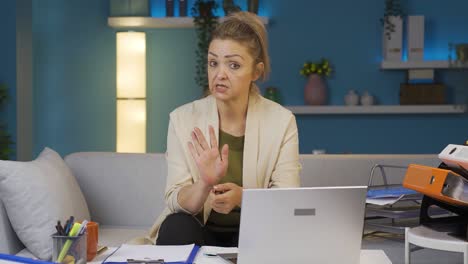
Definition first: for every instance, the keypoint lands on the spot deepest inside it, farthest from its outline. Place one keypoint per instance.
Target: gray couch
(125, 192)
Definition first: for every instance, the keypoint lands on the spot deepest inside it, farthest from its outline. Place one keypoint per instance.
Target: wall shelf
(155, 22)
(378, 109)
(405, 65)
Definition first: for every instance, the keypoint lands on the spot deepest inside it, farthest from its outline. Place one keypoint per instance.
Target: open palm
(211, 164)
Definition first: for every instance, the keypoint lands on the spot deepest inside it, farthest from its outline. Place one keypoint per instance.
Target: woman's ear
(259, 69)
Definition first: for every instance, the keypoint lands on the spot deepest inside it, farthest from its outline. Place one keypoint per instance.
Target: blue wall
(8, 65)
(74, 74)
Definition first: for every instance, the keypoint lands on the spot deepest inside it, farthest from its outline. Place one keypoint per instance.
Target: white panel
(415, 38)
(131, 126)
(392, 47)
(131, 65)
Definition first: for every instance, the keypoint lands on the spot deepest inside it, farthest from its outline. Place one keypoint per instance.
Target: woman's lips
(221, 88)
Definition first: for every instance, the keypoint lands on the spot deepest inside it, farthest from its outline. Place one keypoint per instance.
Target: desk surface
(367, 257)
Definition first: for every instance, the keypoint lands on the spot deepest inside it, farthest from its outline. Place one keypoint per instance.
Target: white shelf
(404, 65)
(378, 109)
(155, 22)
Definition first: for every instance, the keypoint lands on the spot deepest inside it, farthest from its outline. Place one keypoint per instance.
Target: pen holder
(69, 249)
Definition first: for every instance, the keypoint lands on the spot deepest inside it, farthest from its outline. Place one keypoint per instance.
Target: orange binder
(440, 184)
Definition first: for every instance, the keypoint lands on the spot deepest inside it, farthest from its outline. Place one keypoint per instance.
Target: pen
(65, 227)
(83, 227)
(147, 261)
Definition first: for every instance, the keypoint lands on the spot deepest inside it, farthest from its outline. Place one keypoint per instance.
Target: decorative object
(183, 8)
(205, 22)
(462, 53)
(129, 8)
(392, 22)
(422, 94)
(415, 32)
(351, 98)
(230, 7)
(393, 8)
(169, 8)
(5, 138)
(252, 6)
(38, 193)
(315, 91)
(131, 92)
(392, 46)
(273, 94)
(367, 99)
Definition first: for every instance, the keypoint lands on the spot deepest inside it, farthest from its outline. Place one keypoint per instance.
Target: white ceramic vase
(367, 98)
(351, 98)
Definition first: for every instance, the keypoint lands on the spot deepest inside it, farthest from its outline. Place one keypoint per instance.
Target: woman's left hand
(225, 197)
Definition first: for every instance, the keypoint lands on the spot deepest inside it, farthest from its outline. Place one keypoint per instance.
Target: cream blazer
(271, 150)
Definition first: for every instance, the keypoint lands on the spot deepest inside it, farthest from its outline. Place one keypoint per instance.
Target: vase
(315, 91)
(351, 98)
(367, 99)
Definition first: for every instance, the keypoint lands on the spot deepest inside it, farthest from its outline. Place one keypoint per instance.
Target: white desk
(367, 257)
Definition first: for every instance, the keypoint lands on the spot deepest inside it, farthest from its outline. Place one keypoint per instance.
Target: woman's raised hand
(211, 164)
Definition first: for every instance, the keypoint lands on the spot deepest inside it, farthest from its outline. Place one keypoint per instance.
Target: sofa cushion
(38, 193)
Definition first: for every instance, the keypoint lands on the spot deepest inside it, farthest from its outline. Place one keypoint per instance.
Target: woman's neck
(232, 116)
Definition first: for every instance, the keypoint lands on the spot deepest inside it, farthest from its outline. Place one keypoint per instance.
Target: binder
(440, 184)
(455, 156)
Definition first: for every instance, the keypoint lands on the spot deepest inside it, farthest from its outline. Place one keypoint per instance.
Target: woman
(230, 140)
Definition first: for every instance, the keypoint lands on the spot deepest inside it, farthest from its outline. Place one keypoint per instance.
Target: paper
(150, 252)
(208, 255)
(384, 201)
(393, 192)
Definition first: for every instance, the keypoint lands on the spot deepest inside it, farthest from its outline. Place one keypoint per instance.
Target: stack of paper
(387, 196)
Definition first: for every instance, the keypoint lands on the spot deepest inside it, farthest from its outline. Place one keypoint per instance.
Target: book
(169, 8)
(182, 8)
(420, 76)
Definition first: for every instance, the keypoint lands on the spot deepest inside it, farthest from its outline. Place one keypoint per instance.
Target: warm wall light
(131, 92)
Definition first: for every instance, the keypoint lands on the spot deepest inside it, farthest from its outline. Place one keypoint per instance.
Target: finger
(219, 209)
(214, 141)
(223, 198)
(193, 151)
(225, 154)
(196, 143)
(201, 138)
(223, 187)
(212, 196)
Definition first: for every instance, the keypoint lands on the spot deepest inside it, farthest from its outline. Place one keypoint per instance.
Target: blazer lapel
(249, 171)
(213, 120)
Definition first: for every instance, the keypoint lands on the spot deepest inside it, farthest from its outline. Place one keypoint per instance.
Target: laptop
(301, 225)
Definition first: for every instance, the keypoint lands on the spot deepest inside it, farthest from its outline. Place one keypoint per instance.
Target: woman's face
(230, 70)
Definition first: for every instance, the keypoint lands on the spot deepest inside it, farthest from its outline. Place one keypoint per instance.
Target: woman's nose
(221, 74)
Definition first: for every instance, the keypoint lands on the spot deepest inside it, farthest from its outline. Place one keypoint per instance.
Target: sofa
(125, 192)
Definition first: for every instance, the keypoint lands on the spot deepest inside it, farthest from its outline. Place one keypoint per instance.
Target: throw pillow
(38, 193)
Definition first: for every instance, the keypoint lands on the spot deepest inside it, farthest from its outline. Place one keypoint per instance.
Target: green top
(229, 222)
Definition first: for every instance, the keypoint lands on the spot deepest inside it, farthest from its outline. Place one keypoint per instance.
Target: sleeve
(178, 173)
(286, 172)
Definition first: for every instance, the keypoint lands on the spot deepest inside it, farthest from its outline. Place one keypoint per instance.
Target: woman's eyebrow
(213, 54)
(234, 55)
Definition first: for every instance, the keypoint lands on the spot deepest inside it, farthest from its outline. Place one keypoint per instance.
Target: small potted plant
(205, 22)
(393, 14)
(315, 91)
